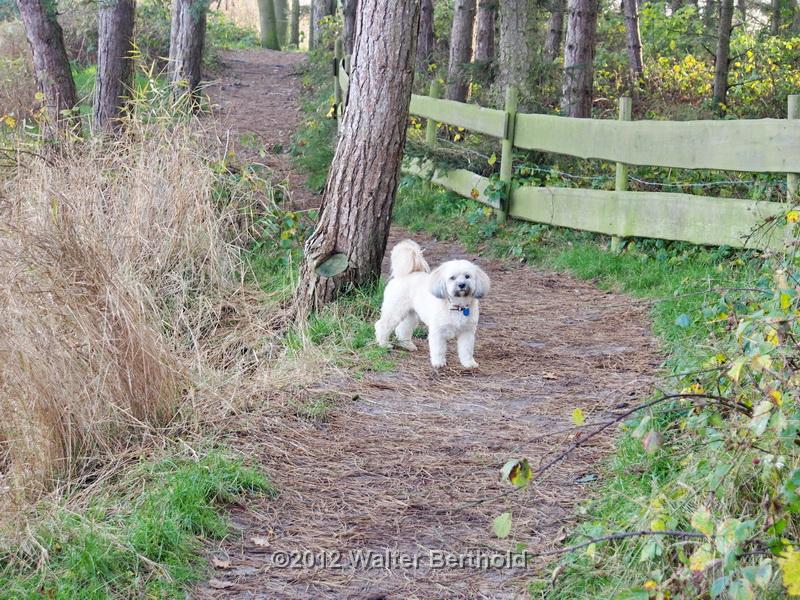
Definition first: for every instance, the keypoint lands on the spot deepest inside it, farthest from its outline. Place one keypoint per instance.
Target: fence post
(621, 183)
(507, 153)
(430, 126)
(792, 179)
(338, 52)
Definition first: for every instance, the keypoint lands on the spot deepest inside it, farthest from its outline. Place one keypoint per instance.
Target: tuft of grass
(145, 543)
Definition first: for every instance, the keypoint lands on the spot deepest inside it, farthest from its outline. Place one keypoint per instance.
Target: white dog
(445, 300)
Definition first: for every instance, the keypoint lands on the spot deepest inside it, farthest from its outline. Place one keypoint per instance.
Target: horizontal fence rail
(754, 145)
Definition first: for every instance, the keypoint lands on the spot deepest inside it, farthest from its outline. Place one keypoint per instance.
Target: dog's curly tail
(407, 258)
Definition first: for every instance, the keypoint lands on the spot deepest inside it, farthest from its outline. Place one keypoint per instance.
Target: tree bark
(484, 34)
(281, 20)
(294, 39)
(359, 195)
(634, 40)
(555, 31)
(426, 38)
(775, 17)
(578, 83)
(187, 38)
(268, 25)
(723, 55)
(319, 10)
(709, 12)
(114, 62)
(515, 45)
(349, 13)
(50, 63)
(460, 50)
(742, 6)
(675, 5)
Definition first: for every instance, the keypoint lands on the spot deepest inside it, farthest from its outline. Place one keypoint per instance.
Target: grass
(144, 543)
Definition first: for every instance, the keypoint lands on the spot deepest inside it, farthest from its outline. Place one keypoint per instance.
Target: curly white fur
(446, 300)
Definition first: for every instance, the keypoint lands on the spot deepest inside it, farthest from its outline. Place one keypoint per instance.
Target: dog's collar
(464, 310)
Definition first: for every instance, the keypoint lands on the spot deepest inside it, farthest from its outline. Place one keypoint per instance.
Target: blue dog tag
(465, 310)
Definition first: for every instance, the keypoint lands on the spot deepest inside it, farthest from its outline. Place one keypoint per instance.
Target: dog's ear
(482, 283)
(438, 283)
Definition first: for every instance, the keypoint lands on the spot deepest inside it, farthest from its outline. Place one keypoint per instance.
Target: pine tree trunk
(634, 40)
(460, 50)
(268, 25)
(281, 20)
(187, 38)
(484, 34)
(426, 37)
(555, 31)
(723, 55)
(359, 195)
(50, 63)
(579, 47)
(515, 45)
(349, 12)
(114, 61)
(295, 33)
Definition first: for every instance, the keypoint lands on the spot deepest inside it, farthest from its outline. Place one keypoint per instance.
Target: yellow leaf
(702, 521)
(736, 369)
(761, 362)
(474, 193)
(658, 524)
(9, 121)
(772, 336)
(39, 96)
(650, 585)
(786, 301)
(700, 558)
(492, 159)
(793, 216)
(591, 550)
(790, 567)
(457, 137)
(777, 397)
(577, 417)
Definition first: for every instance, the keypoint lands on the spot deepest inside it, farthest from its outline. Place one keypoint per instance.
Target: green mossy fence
(755, 145)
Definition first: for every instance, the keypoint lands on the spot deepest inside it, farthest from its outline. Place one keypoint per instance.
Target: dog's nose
(461, 286)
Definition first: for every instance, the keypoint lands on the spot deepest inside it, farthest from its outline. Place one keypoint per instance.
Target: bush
(17, 83)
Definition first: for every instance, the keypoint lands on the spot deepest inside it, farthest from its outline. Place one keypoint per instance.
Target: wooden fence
(762, 145)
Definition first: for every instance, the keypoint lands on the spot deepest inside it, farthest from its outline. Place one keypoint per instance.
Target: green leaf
(577, 417)
(736, 369)
(702, 521)
(741, 590)
(502, 525)
(760, 418)
(517, 472)
(492, 159)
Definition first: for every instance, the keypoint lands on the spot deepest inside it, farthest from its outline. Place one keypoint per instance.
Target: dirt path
(402, 467)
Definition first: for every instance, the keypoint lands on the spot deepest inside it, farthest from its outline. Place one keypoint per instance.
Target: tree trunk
(281, 20)
(460, 50)
(723, 55)
(709, 12)
(742, 5)
(426, 37)
(775, 17)
(50, 63)
(187, 38)
(515, 46)
(295, 33)
(349, 12)
(675, 5)
(268, 24)
(634, 40)
(576, 91)
(114, 62)
(357, 204)
(484, 34)
(319, 10)
(555, 31)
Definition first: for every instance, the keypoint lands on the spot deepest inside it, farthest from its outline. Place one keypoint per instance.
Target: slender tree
(347, 246)
(515, 45)
(50, 63)
(579, 47)
(709, 12)
(721, 63)
(460, 50)
(114, 61)
(742, 6)
(268, 25)
(349, 13)
(281, 20)
(634, 40)
(775, 17)
(187, 39)
(319, 10)
(294, 36)
(484, 31)
(676, 5)
(555, 30)
(426, 38)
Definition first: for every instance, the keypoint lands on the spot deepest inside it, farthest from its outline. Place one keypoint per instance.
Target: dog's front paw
(406, 345)
(469, 364)
(438, 364)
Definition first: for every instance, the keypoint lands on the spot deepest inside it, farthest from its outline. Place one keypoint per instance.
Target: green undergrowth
(141, 538)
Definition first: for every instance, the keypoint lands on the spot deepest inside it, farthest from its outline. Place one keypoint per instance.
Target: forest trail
(400, 467)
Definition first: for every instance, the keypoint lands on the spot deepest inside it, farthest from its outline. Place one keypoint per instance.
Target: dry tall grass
(122, 309)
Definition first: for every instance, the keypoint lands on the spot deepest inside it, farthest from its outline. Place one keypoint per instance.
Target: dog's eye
(453, 278)
(466, 276)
